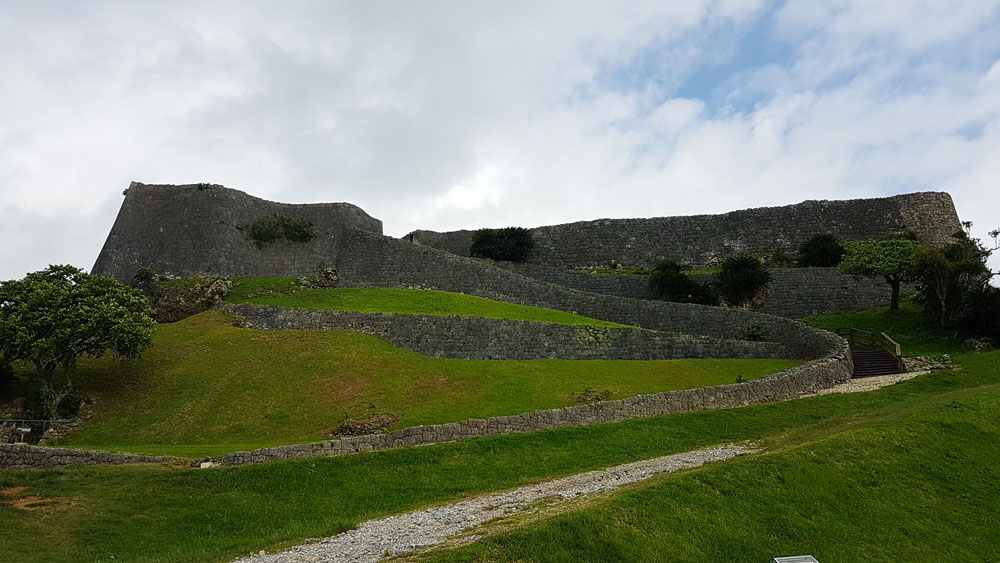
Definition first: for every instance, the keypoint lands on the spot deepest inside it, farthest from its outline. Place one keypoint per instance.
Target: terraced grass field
(207, 387)
(286, 292)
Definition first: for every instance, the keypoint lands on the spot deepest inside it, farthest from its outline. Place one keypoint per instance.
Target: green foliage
(821, 250)
(669, 283)
(265, 231)
(510, 244)
(947, 274)
(754, 332)
(979, 315)
(53, 317)
(892, 259)
(741, 279)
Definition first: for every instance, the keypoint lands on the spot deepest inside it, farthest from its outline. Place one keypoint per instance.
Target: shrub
(510, 244)
(669, 283)
(979, 316)
(754, 332)
(821, 250)
(740, 279)
(265, 231)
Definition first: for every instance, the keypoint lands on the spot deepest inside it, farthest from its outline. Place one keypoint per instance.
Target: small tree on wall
(740, 279)
(891, 259)
(821, 250)
(511, 244)
(669, 283)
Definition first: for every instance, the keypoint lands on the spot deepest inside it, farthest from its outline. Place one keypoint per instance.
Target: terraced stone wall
(477, 338)
(702, 240)
(195, 229)
(24, 456)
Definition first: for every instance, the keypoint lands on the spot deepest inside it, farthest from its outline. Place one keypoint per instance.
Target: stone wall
(702, 240)
(194, 229)
(794, 292)
(23, 456)
(809, 378)
(477, 338)
(380, 261)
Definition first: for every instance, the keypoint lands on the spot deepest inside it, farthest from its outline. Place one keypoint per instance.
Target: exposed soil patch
(592, 396)
(12, 491)
(361, 426)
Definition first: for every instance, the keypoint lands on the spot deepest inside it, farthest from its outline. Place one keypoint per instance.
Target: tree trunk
(894, 302)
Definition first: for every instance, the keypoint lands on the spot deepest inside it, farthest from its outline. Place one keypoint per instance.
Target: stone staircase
(868, 363)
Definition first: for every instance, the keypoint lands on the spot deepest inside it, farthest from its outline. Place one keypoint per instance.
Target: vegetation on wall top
(279, 227)
(511, 244)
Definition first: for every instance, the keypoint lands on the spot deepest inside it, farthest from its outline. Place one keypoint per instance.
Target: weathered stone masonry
(193, 229)
(477, 338)
(701, 240)
(24, 456)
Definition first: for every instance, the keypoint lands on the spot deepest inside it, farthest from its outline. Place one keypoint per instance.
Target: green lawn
(286, 293)
(906, 326)
(206, 387)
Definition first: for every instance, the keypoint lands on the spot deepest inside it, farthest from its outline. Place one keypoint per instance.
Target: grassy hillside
(287, 293)
(910, 468)
(207, 387)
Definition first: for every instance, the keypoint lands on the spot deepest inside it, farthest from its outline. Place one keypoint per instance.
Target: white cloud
(462, 114)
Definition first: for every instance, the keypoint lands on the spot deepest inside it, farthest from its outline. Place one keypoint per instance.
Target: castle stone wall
(702, 240)
(194, 229)
(24, 456)
(477, 338)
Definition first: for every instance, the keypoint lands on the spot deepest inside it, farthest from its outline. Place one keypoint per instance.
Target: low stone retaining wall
(502, 339)
(24, 456)
(806, 379)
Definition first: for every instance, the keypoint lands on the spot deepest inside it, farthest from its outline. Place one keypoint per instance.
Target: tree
(53, 317)
(740, 279)
(892, 259)
(948, 275)
(821, 250)
(512, 244)
(669, 283)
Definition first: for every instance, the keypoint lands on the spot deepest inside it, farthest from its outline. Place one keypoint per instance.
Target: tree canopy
(892, 259)
(52, 317)
(512, 244)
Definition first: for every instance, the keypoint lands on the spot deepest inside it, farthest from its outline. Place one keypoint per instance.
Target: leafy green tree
(668, 282)
(821, 250)
(740, 279)
(53, 317)
(891, 259)
(512, 244)
(949, 275)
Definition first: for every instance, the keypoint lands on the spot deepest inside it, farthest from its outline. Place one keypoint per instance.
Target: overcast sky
(446, 115)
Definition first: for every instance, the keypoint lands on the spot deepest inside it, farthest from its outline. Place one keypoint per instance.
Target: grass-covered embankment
(286, 292)
(207, 387)
(909, 468)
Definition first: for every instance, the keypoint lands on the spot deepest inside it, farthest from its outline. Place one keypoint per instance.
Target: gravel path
(404, 533)
(862, 384)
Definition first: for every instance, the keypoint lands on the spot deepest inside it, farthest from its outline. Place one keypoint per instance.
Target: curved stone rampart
(195, 229)
(478, 338)
(701, 240)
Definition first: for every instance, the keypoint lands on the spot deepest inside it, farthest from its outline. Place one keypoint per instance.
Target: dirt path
(405, 533)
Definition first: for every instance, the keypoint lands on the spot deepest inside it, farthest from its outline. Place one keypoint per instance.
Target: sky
(461, 114)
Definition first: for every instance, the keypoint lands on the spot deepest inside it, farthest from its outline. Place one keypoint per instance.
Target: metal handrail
(873, 341)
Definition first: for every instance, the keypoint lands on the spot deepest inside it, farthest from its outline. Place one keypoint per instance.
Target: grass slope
(206, 387)
(286, 293)
(908, 467)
